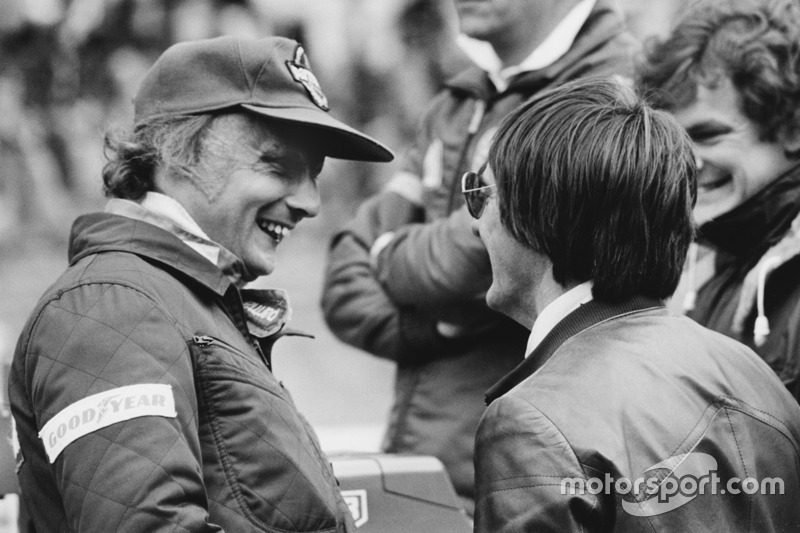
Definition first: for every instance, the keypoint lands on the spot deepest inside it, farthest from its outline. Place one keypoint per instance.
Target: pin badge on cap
(301, 72)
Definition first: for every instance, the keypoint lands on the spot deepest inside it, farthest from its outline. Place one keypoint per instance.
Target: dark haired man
(623, 416)
(413, 292)
(730, 73)
(142, 385)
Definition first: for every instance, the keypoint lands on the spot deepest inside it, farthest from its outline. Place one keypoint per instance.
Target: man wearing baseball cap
(142, 386)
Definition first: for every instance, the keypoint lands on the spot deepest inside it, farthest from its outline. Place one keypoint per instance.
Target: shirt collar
(555, 45)
(555, 312)
(168, 214)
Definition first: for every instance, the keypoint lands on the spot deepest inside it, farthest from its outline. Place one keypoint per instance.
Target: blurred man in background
(585, 209)
(730, 74)
(142, 385)
(406, 278)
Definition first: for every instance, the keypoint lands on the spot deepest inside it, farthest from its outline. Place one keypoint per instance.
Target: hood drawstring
(690, 298)
(761, 327)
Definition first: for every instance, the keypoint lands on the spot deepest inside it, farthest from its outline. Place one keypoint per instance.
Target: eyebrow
(288, 159)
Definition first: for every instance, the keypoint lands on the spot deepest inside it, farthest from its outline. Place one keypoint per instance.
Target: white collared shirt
(555, 45)
(556, 311)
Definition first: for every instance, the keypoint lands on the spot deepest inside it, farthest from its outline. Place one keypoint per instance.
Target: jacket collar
(748, 230)
(168, 214)
(263, 313)
(554, 46)
(103, 232)
(584, 317)
(604, 24)
(555, 311)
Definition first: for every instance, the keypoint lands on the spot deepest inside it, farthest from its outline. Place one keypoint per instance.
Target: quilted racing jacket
(143, 404)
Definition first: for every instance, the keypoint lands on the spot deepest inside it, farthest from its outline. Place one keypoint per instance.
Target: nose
(304, 199)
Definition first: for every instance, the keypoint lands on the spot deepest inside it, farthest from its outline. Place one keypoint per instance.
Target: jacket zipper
(472, 129)
(204, 341)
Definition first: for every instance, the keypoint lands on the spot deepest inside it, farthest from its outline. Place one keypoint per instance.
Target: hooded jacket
(741, 237)
(434, 270)
(143, 403)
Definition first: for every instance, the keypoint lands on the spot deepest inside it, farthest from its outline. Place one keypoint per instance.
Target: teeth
(276, 231)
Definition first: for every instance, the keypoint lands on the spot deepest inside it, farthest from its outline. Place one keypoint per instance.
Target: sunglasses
(476, 192)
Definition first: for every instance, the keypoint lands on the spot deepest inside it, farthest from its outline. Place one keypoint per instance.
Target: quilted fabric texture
(138, 307)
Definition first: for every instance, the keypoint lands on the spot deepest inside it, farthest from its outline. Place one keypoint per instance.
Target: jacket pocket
(259, 456)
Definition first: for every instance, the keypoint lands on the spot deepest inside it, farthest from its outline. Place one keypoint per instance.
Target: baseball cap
(270, 76)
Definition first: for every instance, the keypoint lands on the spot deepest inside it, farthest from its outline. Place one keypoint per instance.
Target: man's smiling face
(734, 162)
(256, 180)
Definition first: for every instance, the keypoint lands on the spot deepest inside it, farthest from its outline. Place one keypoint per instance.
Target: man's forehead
(718, 103)
(289, 154)
(270, 141)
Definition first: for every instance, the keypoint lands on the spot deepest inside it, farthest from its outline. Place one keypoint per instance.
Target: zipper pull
(203, 340)
(263, 356)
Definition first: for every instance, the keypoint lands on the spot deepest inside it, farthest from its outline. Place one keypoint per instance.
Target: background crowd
(69, 68)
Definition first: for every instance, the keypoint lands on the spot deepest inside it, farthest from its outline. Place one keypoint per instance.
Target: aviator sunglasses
(476, 192)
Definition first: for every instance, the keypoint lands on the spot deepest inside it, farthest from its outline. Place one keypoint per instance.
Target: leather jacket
(633, 392)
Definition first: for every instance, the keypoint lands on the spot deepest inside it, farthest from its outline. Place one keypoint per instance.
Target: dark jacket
(436, 270)
(633, 391)
(142, 315)
(740, 238)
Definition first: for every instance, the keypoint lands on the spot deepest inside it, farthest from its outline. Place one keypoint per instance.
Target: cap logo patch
(301, 72)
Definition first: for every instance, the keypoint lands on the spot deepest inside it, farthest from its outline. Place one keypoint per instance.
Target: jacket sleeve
(355, 306)
(142, 471)
(521, 461)
(435, 264)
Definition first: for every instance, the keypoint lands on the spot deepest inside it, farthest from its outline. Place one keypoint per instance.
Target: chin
(494, 300)
(253, 271)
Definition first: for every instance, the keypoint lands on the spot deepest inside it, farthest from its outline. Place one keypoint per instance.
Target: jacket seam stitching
(744, 467)
(596, 501)
(761, 411)
(713, 406)
(227, 466)
(60, 293)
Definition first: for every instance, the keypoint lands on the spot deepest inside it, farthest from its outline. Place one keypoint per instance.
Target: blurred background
(68, 72)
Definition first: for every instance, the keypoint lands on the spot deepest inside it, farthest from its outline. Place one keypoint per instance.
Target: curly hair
(173, 143)
(602, 184)
(755, 43)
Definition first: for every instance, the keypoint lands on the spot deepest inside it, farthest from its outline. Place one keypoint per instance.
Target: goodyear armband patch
(104, 409)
